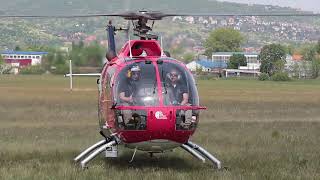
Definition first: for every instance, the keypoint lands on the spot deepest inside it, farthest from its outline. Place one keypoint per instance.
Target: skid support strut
(96, 152)
(193, 152)
(203, 152)
(92, 151)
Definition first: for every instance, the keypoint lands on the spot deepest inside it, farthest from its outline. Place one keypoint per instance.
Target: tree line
(57, 59)
(272, 57)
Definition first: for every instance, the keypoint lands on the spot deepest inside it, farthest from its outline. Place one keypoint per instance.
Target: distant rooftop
(24, 52)
(210, 64)
(231, 53)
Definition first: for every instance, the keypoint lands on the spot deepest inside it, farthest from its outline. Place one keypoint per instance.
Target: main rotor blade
(244, 14)
(58, 16)
(156, 15)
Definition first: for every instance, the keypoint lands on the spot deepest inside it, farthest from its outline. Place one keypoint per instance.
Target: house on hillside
(296, 66)
(19, 59)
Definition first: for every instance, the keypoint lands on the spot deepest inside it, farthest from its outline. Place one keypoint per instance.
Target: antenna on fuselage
(161, 46)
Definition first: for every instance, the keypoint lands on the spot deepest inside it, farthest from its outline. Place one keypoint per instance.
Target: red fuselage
(155, 117)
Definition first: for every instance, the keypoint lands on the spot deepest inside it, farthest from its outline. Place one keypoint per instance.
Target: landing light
(147, 98)
(193, 119)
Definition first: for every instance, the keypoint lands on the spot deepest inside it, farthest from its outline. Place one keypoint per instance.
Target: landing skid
(200, 153)
(94, 150)
(109, 143)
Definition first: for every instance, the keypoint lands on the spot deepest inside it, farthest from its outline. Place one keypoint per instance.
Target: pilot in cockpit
(178, 92)
(128, 92)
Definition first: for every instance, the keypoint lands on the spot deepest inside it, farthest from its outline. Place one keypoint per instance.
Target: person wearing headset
(127, 93)
(178, 92)
(129, 89)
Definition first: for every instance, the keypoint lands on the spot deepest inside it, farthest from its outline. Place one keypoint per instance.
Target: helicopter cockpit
(136, 85)
(143, 85)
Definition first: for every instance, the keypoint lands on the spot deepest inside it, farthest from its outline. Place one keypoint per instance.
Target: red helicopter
(148, 101)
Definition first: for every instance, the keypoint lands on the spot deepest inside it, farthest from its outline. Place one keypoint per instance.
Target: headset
(178, 75)
(134, 68)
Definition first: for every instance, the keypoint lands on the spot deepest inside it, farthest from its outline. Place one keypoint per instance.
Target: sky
(310, 5)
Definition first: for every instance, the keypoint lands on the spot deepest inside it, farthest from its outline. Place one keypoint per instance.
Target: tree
(290, 49)
(188, 57)
(315, 67)
(177, 51)
(237, 60)
(311, 55)
(4, 68)
(17, 48)
(1, 60)
(77, 54)
(93, 55)
(223, 39)
(60, 59)
(318, 47)
(272, 58)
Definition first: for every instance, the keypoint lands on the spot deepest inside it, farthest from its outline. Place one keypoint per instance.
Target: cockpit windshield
(136, 85)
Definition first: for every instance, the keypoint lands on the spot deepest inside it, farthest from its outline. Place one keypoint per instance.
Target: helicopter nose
(161, 123)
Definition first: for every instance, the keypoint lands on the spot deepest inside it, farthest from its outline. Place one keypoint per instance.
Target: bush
(280, 76)
(5, 69)
(264, 77)
(32, 70)
(60, 69)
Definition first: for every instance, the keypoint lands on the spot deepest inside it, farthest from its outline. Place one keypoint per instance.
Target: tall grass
(259, 130)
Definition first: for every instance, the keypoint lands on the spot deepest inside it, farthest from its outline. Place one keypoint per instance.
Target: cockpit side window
(179, 89)
(178, 85)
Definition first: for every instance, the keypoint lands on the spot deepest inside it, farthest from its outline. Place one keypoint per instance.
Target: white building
(252, 59)
(18, 59)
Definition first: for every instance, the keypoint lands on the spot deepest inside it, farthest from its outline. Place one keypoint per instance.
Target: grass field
(259, 130)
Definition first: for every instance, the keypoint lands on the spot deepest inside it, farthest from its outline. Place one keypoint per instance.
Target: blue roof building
(19, 59)
(23, 53)
(206, 65)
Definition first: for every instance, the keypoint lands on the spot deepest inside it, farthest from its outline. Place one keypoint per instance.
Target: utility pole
(70, 72)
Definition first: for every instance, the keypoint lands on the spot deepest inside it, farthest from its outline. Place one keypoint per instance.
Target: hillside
(66, 7)
(15, 32)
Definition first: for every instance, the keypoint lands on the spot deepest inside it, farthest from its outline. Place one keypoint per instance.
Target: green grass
(259, 130)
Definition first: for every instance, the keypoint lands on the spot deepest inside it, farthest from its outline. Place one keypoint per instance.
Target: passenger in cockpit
(178, 95)
(178, 92)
